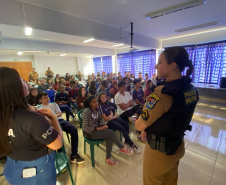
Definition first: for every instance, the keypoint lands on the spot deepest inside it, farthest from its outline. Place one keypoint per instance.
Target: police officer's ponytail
(180, 56)
(190, 68)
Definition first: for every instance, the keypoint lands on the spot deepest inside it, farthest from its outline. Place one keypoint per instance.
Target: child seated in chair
(94, 129)
(66, 126)
(62, 99)
(114, 122)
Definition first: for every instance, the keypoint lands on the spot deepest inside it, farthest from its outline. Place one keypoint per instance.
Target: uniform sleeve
(41, 130)
(157, 104)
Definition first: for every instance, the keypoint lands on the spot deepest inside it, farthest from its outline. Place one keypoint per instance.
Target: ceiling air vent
(197, 26)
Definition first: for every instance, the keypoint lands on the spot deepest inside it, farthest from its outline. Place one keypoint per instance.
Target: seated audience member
(94, 129)
(137, 93)
(124, 104)
(43, 87)
(72, 78)
(146, 77)
(67, 86)
(56, 84)
(92, 90)
(66, 126)
(140, 77)
(98, 75)
(132, 77)
(81, 81)
(147, 90)
(58, 76)
(125, 74)
(98, 81)
(81, 97)
(114, 89)
(50, 83)
(62, 99)
(154, 80)
(62, 81)
(67, 77)
(93, 76)
(108, 78)
(115, 76)
(29, 86)
(88, 83)
(120, 78)
(73, 94)
(32, 82)
(128, 88)
(113, 122)
(33, 97)
(33, 75)
(104, 87)
(49, 73)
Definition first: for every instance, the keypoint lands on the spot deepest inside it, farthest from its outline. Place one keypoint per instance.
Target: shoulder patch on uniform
(152, 100)
(190, 96)
(144, 115)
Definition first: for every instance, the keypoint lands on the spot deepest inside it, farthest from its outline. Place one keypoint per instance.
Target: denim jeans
(45, 171)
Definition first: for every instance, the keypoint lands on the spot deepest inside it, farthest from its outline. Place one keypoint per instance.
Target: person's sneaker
(112, 162)
(132, 119)
(136, 149)
(126, 150)
(76, 159)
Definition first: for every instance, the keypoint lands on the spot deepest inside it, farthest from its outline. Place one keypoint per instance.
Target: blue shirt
(138, 95)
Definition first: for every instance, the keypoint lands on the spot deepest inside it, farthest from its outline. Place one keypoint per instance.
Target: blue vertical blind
(97, 65)
(107, 64)
(135, 62)
(102, 64)
(209, 62)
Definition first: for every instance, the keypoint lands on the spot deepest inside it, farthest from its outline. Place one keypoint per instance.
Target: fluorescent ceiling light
(20, 53)
(197, 26)
(221, 29)
(116, 45)
(176, 8)
(28, 30)
(89, 56)
(89, 40)
(63, 54)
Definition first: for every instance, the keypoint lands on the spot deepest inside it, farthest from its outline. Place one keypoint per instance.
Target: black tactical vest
(172, 124)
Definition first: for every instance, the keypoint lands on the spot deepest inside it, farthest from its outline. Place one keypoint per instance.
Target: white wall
(16, 58)
(59, 65)
(85, 65)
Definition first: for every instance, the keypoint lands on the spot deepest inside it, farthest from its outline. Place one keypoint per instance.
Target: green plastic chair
(91, 142)
(62, 164)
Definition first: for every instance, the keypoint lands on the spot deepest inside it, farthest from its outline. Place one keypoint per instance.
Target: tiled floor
(204, 162)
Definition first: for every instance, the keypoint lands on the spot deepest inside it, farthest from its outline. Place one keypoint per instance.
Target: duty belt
(169, 147)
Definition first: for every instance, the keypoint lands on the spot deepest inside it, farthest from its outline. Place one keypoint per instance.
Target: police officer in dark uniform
(165, 118)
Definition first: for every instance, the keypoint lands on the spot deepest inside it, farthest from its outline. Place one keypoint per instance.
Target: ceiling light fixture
(28, 31)
(176, 8)
(221, 29)
(20, 53)
(197, 27)
(89, 40)
(63, 55)
(116, 45)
